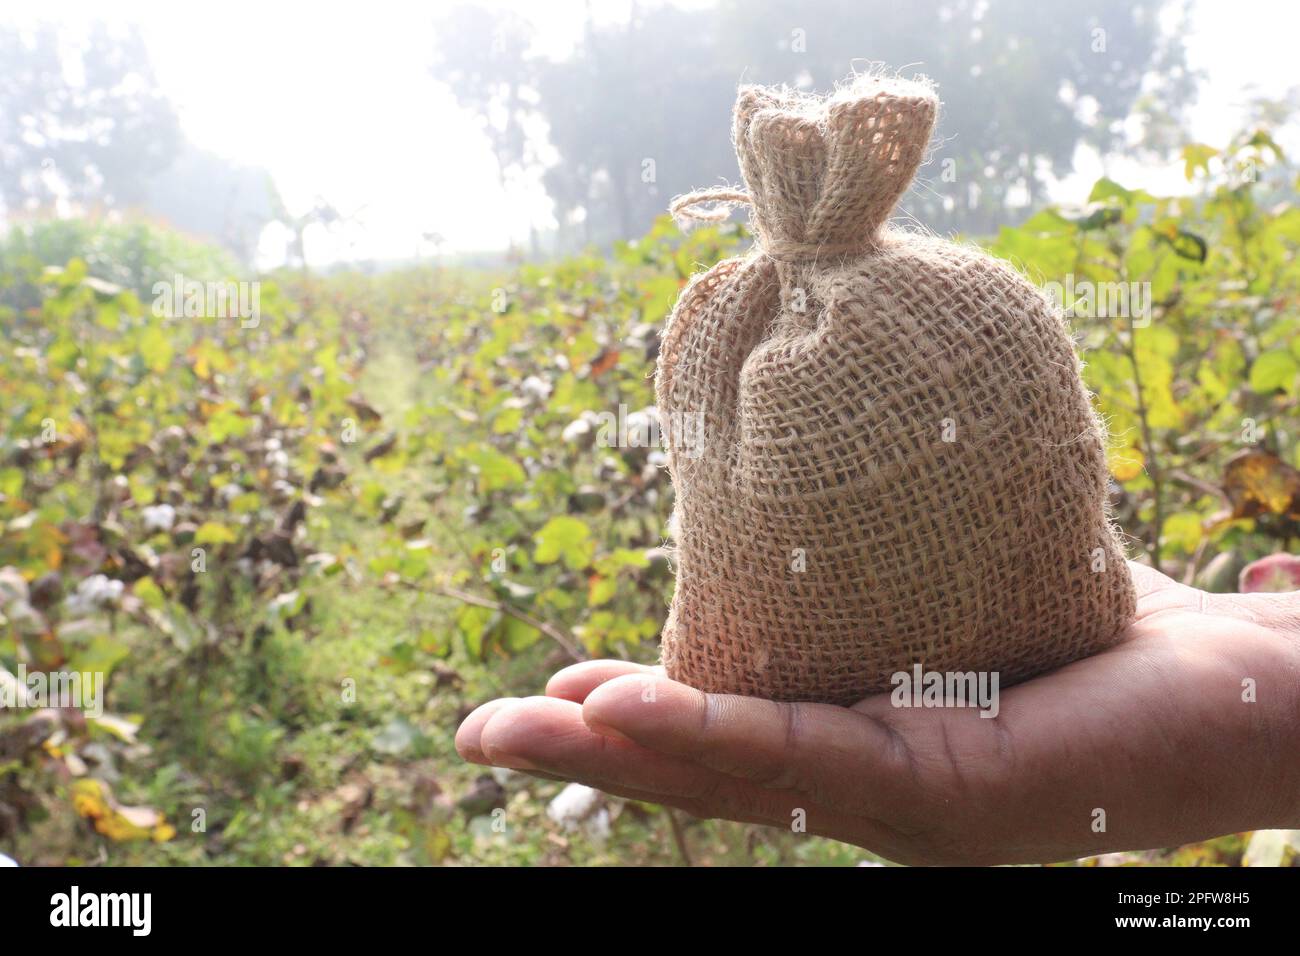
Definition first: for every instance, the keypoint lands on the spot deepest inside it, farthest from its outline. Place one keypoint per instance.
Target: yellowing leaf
(120, 727)
(1126, 463)
(601, 590)
(148, 592)
(212, 532)
(1182, 531)
(1258, 482)
(93, 800)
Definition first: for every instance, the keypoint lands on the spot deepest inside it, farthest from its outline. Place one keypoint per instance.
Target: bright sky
(1244, 48)
(337, 101)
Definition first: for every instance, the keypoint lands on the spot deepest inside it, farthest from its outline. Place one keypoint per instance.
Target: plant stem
(1152, 463)
(556, 634)
(679, 836)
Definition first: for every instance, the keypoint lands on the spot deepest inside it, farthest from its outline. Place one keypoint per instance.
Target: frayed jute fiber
(898, 463)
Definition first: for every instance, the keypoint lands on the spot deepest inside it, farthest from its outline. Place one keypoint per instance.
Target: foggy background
(386, 132)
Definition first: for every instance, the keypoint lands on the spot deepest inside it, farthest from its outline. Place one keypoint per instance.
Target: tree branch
(556, 634)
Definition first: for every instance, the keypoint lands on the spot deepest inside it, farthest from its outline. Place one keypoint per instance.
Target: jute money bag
(894, 461)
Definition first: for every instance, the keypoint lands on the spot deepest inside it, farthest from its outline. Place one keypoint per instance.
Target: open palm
(1187, 729)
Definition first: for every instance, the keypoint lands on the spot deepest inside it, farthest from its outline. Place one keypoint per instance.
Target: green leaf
(63, 354)
(473, 622)
(149, 593)
(564, 537)
(1097, 217)
(1187, 245)
(601, 591)
(495, 470)
(1106, 188)
(98, 656)
(1197, 156)
(517, 635)
(620, 558)
(507, 421)
(227, 423)
(11, 482)
(246, 504)
(1181, 531)
(1274, 370)
(156, 349)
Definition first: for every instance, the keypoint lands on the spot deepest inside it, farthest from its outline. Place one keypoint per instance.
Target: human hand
(1157, 732)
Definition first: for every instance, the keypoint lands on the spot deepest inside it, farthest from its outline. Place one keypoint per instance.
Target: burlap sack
(898, 462)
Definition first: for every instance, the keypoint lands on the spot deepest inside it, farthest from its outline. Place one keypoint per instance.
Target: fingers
(469, 746)
(1157, 592)
(824, 769)
(471, 729)
(577, 681)
(1147, 580)
(836, 756)
(571, 683)
(547, 734)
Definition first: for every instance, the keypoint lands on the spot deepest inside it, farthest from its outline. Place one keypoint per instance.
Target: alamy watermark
(647, 428)
(132, 911)
(922, 688)
(1100, 300)
(82, 690)
(193, 299)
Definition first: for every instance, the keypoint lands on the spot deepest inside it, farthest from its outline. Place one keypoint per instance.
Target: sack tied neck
(686, 209)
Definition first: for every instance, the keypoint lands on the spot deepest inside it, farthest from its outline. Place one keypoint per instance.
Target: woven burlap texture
(898, 462)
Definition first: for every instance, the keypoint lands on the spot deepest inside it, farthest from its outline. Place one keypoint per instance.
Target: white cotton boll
(94, 593)
(158, 517)
(642, 428)
(576, 431)
(7, 861)
(536, 387)
(13, 586)
(577, 807)
(506, 777)
(573, 804)
(282, 603)
(100, 589)
(229, 493)
(597, 826)
(20, 614)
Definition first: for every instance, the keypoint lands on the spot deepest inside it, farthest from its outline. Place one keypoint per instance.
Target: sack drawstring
(684, 211)
(725, 197)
